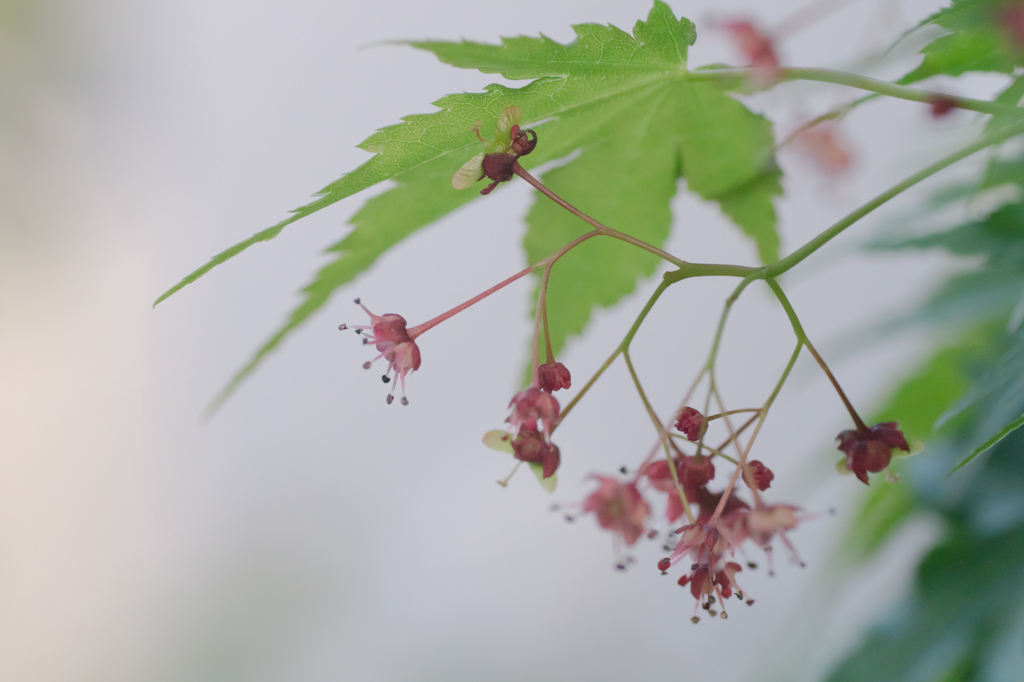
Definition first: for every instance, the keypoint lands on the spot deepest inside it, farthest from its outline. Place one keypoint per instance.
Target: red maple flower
(531, 407)
(619, 507)
(396, 344)
(691, 424)
(530, 446)
(693, 474)
(757, 475)
(554, 376)
(871, 449)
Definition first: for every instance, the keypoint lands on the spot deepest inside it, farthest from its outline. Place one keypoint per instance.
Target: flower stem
(757, 429)
(598, 226)
(863, 83)
(662, 434)
(801, 337)
(621, 348)
(421, 328)
(787, 263)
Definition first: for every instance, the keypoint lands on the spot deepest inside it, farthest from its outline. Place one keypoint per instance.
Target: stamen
(390, 398)
(724, 616)
(342, 327)
(405, 401)
(695, 620)
(366, 365)
(386, 379)
(357, 302)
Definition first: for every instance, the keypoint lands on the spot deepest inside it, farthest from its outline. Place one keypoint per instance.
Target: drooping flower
(396, 344)
(758, 48)
(871, 449)
(691, 423)
(532, 407)
(619, 508)
(761, 525)
(498, 159)
(529, 445)
(554, 376)
(693, 474)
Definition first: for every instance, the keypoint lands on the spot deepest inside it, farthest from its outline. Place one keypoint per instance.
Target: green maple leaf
(976, 41)
(623, 102)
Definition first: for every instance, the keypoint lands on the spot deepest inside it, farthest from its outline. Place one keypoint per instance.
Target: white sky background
(310, 532)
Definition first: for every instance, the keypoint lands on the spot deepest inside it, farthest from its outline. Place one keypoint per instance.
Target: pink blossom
(693, 474)
(530, 407)
(395, 343)
(691, 423)
(553, 376)
(826, 148)
(619, 507)
(761, 525)
(758, 49)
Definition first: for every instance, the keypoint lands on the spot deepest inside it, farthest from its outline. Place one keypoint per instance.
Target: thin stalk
(801, 337)
(757, 429)
(662, 433)
(623, 345)
(863, 83)
(598, 226)
(787, 263)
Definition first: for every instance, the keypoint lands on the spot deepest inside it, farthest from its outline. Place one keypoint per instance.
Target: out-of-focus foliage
(965, 617)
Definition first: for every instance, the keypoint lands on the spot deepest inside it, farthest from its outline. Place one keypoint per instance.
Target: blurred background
(309, 531)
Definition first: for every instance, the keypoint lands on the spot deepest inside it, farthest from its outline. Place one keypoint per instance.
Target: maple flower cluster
(708, 524)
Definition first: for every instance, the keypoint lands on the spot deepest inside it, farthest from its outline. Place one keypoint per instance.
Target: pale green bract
(622, 101)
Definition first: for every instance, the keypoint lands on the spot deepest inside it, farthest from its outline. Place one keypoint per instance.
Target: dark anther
(694, 567)
(739, 595)
(620, 567)
(623, 470)
(695, 620)
(751, 565)
(386, 379)
(750, 602)
(391, 398)
(711, 599)
(405, 401)
(357, 301)
(366, 365)
(342, 327)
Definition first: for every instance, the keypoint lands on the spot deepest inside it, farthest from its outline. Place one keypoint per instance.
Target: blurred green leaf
(991, 442)
(977, 42)
(963, 589)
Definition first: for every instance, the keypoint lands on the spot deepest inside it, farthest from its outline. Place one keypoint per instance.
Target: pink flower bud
(553, 376)
(757, 475)
(691, 423)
